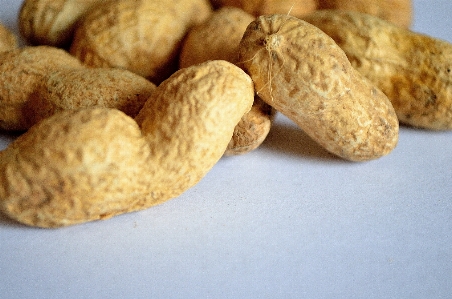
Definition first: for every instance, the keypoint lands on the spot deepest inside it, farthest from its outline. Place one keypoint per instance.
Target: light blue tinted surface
(285, 221)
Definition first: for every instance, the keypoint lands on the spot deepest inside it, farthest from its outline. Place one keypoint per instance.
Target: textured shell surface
(412, 69)
(302, 73)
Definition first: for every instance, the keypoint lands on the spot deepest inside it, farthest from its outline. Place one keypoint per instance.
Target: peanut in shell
(302, 73)
(52, 22)
(21, 72)
(414, 70)
(141, 36)
(72, 89)
(218, 38)
(192, 115)
(94, 163)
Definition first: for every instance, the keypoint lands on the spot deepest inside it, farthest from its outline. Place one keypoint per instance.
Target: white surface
(285, 221)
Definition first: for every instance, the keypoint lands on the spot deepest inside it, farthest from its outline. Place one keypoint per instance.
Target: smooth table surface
(285, 221)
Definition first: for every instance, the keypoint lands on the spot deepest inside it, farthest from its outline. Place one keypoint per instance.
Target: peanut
(399, 12)
(94, 163)
(71, 89)
(252, 129)
(50, 22)
(302, 73)
(218, 38)
(264, 7)
(141, 36)
(8, 40)
(412, 69)
(21, 71)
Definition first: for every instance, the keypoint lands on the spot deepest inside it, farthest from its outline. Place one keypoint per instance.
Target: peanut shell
(302, 73)
(399, 12)
(52, 22)
(21, 72)
(192, 115)
(252, 130)
(75, 166)
(71, 89)
(412, 69)
(95, 163)
(263, 7)
(218, 38)
(141, 36)
(8, 40)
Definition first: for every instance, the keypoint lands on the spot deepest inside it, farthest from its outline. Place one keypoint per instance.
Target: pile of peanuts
(122, 105)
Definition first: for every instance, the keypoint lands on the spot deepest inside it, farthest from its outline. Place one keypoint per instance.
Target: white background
(285, 221)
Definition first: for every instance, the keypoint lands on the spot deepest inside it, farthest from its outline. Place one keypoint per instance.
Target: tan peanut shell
(8, 40)
(301, 72)
(218, 38)
(71, 89)
(263, 7)
(399, 12)
(52, 22)
(21, 72)
(412, 69)
(192, 116)
(138, 35)
(75, 166)
(252, 129)
(94, 163)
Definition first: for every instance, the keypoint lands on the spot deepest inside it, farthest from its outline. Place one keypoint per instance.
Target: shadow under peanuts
(286, 138)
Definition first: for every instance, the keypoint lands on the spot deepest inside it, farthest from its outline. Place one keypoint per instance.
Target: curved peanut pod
(413, 70)
(190, 118)
(52, 22)
(94, 163)
(302, 73)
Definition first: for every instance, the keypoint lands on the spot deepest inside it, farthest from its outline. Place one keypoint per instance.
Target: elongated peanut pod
(412, 69)
(94, 163)
(301, 72)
